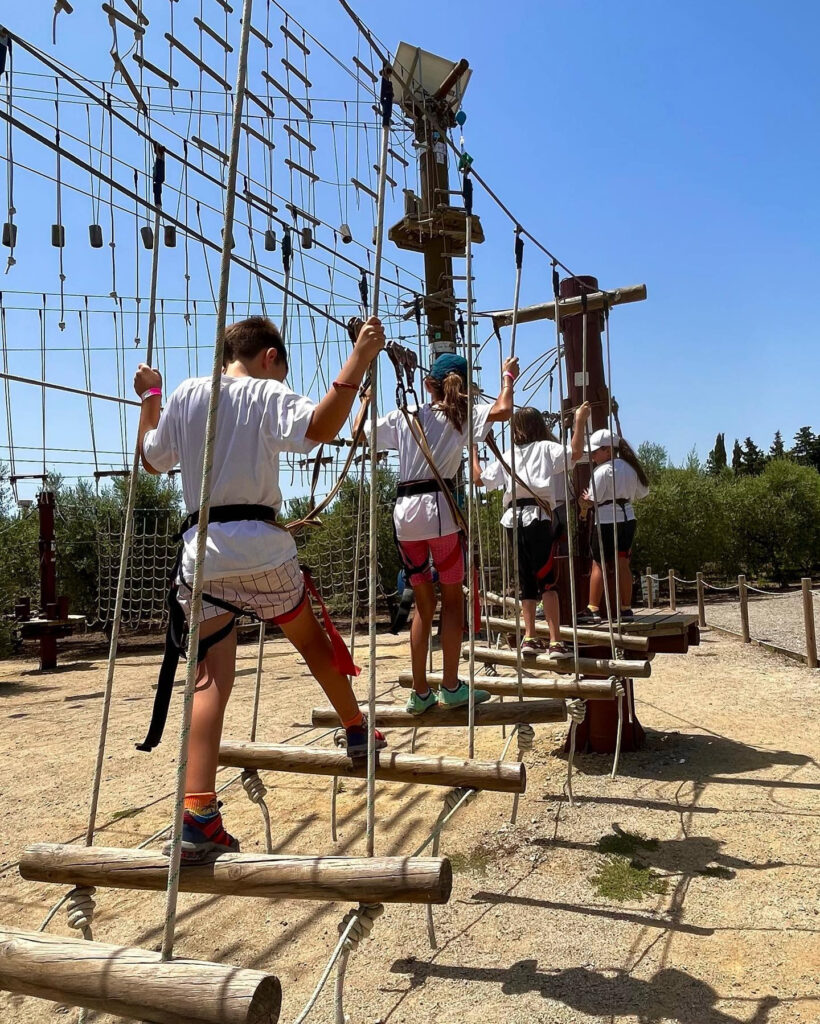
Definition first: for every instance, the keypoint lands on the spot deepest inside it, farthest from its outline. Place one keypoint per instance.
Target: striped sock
(201, 805)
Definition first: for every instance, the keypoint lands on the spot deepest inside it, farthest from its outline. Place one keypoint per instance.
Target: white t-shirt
(626, 486)
(541, 465)
(422, 516)
(257, 420)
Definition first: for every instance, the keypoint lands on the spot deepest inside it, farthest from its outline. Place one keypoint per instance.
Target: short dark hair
(245, 339)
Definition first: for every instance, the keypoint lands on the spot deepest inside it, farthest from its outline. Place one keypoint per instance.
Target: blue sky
(672, 144)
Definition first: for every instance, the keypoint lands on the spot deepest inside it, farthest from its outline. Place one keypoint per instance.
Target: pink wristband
(150, 393)
(510, 375)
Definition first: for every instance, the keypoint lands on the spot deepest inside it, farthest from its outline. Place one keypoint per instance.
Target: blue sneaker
(203, 836)
(418, 705)
(460, 696)
(356, 739)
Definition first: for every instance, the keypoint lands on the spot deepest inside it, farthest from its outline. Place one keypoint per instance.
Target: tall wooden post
(808, 619)
(744, 609)
(48, 577)
(673, 603)
(701, 601)
(650, 590)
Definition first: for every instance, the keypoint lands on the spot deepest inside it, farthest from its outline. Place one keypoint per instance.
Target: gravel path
(777, 619)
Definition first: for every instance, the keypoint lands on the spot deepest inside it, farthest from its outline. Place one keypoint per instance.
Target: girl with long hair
(620, 480)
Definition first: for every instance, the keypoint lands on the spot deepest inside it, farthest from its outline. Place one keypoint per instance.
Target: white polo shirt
(541, 465)
(617, 479)
(257, 420)
(424, 516)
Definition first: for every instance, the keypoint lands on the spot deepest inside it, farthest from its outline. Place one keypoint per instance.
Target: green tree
(716, 460)
(654, 459)
(806, 450)
(692, 463)
(777, 449)
(737, 458)
(752, 459)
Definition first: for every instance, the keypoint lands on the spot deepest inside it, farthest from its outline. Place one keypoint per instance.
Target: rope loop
(577, 710)
(366, 915)
(525, 737)
(253, 786)
(80, 907)
(459, 793)
(620, 690)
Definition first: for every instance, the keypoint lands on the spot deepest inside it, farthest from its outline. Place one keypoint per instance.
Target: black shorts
(537, 564)
(626, 535)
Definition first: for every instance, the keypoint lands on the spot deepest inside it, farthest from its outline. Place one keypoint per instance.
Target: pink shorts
(447, 554)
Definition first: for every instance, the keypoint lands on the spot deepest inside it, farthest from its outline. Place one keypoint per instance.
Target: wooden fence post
(650, 601)
(673, 603)
(744, 609)
(701, 603)
(808, 618)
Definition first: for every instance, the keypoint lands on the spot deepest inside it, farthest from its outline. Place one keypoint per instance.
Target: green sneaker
(418, 705)
(460, 696)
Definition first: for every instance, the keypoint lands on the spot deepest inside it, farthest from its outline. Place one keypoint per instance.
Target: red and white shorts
(446, 553)
(276, 594)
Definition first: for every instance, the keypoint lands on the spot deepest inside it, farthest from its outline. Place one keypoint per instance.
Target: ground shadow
(14, 687)
(670, 995)
(68, 666)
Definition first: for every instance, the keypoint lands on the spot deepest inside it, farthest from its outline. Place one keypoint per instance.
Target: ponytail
(626, 452)
(452, 398)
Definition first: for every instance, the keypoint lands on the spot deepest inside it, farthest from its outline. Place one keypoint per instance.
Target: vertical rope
(519, 260)
(373, 554)
(205, 494)
(467, 190)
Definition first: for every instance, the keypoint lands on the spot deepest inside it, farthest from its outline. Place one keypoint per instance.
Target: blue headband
(448, 363)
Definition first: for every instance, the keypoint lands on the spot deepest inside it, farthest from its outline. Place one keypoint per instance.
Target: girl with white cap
(619, 480)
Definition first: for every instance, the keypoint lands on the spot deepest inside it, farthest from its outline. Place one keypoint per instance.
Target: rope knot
(80, 907)
(577, 710)
(253, 785)
(526, 737)
(619, 688)
(366, 915)
(453, 796)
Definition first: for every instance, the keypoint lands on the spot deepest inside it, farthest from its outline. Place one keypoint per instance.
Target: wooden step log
(507, 686)
(362, 879)
(424, 770)
(534, 712)
(562, 665)
(585, 635)
(135, 983)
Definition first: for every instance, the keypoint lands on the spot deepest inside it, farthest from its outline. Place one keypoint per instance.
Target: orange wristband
(340, 384)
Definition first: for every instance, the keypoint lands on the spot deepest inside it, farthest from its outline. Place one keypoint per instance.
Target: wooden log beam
(585, 636)
(569, 307)
(360, 879)
(563, 665)
(535, 712)
(423, 770)
(135, 983)
(507, 686)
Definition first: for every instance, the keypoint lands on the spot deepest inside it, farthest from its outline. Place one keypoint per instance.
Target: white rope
(471, 492)
(519, 665)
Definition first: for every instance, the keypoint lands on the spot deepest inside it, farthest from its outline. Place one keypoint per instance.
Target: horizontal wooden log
(423, 770)
(564, 664)
(507, 686)
(569, 307)
(534, 712)
(585, 636)
(356, 879)
(135, 983)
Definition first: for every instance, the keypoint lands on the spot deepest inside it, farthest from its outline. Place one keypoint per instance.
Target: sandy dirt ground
(727, 784)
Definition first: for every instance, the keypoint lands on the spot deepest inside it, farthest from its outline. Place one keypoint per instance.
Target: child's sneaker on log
(460, 696)
(418, 705)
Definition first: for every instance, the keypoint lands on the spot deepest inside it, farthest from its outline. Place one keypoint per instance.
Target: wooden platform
(357, 879)
(418, 769)
(507, 686)
(534, 712)
(34, 629)
(654, 622)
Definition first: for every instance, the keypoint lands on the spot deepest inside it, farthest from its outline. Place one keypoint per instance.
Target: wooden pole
(571, 305)
(135, 983)
(496, 776)
(506, 686)
(357, 879)
(701, 601)
(565, 665)
(594, 637)
(48, 578)
(808, 619)
(673, 602)
(744, 609)
(650, 596)
(534, 712)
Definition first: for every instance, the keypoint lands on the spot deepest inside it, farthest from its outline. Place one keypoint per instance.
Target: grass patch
(474, 862)
(626, 844)
(126, 812)
(618, 879)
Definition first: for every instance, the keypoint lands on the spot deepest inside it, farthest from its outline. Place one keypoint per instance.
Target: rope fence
(651, 583)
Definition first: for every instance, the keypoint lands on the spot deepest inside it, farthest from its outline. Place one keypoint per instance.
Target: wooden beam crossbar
(534, 712)
(362, 879)
(569, 307)
(148, 66)
(299, 138)
(585, 636)
(295, 71)
(302, 170)
(507, 686)
(199, 63)
(206, 28)
(288, 95)
(294, 39)
(563, 665)
(418, 769)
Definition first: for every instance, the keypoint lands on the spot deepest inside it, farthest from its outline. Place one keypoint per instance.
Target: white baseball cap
(603, 439)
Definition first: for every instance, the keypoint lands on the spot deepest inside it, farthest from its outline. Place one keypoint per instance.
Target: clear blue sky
(672, 144)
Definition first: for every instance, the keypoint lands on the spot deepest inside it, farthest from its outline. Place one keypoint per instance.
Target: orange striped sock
(201, 804)
(357, 719)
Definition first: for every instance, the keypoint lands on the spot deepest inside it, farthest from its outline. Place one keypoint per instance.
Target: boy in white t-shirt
(250, 562)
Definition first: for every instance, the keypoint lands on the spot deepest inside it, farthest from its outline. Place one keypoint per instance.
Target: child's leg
(425, 597)
(311, 641)
(528, 611)
(625, 581)
(215, 677)
(552, 615)
(596, 586)
(452, 630)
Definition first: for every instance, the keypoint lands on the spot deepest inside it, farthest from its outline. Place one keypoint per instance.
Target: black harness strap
(177, 632)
